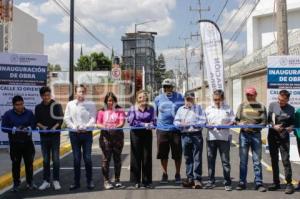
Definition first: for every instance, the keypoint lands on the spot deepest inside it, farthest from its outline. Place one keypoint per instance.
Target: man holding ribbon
(49, 117)
(18, 123)
(80, 115)
(281, 116)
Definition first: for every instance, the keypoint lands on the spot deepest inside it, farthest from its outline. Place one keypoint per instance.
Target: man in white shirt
(219, 139)
(80, 115)
(189, 119)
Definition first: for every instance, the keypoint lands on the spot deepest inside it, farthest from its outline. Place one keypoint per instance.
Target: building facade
(139, 50)
(261, 43)
(23, 34)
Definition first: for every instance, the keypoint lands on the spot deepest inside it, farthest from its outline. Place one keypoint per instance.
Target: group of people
(179, 124)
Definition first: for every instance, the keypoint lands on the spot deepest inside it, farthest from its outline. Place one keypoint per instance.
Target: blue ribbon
(141, 128)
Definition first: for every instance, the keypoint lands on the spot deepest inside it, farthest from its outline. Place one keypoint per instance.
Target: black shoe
(188, 183)
(91, 185)
(298, 187)
(274, 187)
(16, 188)
(164, 179)
(148, 186)
(178, 178)
(240, 187)
(210, 185)
(74, 187)
(31, 186)
(289, 189)
(260, 188)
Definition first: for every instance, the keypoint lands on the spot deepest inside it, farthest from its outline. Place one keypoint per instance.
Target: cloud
(33, 10)
(232, 19)
(162, 27)
(63, 26)
(58, 53)
(236, 48)
(107, 16)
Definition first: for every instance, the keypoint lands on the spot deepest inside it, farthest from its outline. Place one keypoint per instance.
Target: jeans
(18, 151)
(82, 141)
(224, 150)
(279, 143)
(253, 141)
(192, 146)
(141, 156)
(50, 147)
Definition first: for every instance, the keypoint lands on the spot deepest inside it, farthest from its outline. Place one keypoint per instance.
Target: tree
(170, 74)
(95, 62)
(53, 68)
(160, 69)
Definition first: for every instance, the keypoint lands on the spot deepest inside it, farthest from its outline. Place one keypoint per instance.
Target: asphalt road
(161, 191)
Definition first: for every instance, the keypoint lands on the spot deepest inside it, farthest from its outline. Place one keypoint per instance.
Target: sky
(110, 19)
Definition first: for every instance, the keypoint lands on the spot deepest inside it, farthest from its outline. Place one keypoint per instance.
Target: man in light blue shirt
(168, 136)
(189, 119)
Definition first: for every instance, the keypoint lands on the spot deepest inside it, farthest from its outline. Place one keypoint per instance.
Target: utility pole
(282, 28)
(71, 69)
(179, 72)
(203, 87)
(186, 45)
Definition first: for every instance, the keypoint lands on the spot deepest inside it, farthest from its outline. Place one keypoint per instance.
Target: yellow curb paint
(6, 179)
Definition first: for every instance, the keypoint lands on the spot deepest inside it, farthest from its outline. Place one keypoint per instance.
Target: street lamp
(135, 38)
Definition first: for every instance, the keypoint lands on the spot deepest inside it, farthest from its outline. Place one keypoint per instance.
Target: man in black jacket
(18, 123)
(49, 116)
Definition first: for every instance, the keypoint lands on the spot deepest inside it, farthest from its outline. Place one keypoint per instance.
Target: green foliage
(53, 68)
(95, 62)
(160, 69)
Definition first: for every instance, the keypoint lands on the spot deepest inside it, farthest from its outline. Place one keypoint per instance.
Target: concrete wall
(261, 26)
(25, 35)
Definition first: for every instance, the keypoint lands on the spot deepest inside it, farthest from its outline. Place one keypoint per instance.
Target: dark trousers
(141, 156)
(224, 150)
(82, 141)
(192, 146)
(111, 144)
(280, 143)
(50, 149)
(17, 152)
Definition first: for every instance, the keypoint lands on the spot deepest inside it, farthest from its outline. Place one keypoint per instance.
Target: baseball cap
(250, 91)
(189, 95)
(167, 82)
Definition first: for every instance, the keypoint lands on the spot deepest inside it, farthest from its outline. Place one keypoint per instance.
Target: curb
(6, 179)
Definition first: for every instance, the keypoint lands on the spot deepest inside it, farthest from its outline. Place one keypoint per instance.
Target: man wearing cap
(168, 136)
(281, 116)
(188, 119)
(251, 112)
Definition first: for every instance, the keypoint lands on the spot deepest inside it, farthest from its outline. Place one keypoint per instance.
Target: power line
(222, 11)
(233, 16)
(239, 30)
(78, 22)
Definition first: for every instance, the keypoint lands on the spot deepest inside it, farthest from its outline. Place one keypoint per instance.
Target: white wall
(261, 26)
(25, 35)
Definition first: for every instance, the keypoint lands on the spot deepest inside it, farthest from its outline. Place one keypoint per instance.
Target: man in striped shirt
(251, 112)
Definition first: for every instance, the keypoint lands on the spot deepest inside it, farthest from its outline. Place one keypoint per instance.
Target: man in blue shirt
(168, 136)
(18, 123)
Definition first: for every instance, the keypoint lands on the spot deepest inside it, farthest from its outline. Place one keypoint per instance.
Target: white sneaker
(108, 185)
(44, 185)
(56, 185)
